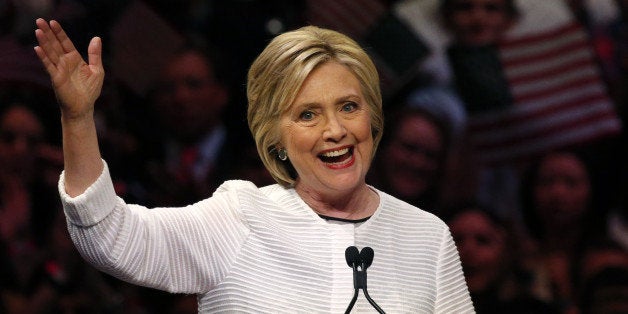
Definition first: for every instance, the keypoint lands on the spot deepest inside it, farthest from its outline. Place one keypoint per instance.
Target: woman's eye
(349, 107)
(306, 115)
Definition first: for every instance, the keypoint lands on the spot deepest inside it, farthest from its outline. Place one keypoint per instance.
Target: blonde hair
(277, 74)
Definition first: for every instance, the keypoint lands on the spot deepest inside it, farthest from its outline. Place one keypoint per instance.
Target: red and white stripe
(559, 98)
(352, 18)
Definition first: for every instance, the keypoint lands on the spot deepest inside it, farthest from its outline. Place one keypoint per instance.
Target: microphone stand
(368, 297)
(355, 294)
(364, 259)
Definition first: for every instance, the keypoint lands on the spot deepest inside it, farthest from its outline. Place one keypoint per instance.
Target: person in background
(418, 160)
(559, 215)
(315, 112)
(21, 146)
(187, 142)
(477, 23)
(490, 258)
(476, 27)
(413, 155)
(593, 257)
(519, 97)
(606, 292)
(27, 204)
(22, 198)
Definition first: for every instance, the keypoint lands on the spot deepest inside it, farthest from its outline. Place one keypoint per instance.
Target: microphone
(352, 256)
(359, 261)
(366, 256)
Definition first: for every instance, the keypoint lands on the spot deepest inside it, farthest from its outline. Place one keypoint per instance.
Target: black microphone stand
(362, 259)
(366, 256)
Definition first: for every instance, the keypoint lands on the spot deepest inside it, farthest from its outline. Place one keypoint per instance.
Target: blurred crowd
(504, 118)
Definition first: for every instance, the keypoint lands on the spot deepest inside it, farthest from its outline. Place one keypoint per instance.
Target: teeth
(336, 153)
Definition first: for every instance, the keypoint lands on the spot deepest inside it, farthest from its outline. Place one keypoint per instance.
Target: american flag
(352, 18)
(559, 98)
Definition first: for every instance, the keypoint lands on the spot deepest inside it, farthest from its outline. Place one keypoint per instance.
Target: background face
(189, 102)
(478, 22)
(412, 159)
(562, 190)
(482, 249)
(20, 135)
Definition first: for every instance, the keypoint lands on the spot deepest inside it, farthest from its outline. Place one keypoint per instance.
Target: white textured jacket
(263, 250)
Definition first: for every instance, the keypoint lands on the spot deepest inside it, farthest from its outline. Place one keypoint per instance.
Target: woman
(411, 164)
(560, 215)
(315, 114)
(490, 255)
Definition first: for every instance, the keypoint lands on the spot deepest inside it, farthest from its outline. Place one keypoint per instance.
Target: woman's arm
(452, 294)
(77, 85)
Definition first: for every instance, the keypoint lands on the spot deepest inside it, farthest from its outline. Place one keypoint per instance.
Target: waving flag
(546, 89)
(352, 18)
(559, 98)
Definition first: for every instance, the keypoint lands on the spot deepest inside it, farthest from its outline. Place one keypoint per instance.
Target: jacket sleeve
(181, 250)
(452, 292)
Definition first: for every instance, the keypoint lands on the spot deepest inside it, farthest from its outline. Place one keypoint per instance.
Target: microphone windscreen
(366, 255)
(352, 256)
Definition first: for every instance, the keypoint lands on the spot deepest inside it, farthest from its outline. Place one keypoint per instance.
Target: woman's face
(479, 22)
(327, 132)
(562, 190)
(482, 248)
(412, 159)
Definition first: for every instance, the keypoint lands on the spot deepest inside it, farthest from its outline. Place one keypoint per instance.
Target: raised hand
(76, 83)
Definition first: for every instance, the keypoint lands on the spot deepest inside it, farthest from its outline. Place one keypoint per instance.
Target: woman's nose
(334, 128)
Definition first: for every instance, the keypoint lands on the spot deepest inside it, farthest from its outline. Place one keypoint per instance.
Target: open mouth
(337, 157)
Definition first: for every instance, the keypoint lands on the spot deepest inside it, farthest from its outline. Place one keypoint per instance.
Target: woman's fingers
(48, 41)
(50, 67)
(94, 52)
(62, 38)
